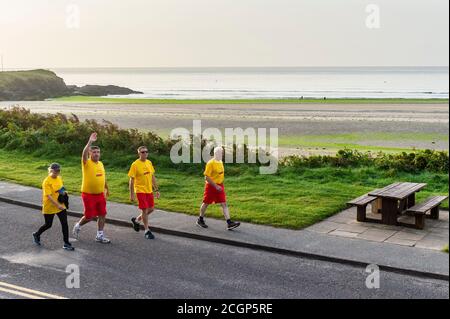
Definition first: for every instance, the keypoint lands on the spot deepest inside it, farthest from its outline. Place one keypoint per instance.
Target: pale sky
(222, 33)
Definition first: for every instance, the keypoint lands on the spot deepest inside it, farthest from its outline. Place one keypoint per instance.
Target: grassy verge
(445, 249)
(92, 99)
(293, 198)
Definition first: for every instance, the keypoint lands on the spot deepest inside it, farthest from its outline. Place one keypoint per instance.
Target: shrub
(426, 160)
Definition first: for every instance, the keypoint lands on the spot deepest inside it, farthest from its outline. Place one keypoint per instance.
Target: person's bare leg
(101, 223)
(139, 218)
(144, 217)
(225, 210)
(83, 221)
(203, 209)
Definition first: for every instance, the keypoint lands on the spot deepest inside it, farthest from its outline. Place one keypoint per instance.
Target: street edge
(281, 251)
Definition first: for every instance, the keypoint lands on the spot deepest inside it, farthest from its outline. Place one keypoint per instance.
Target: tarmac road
(173, 267)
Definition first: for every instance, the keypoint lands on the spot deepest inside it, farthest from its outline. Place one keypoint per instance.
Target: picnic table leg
(361, 213)
(389, 211)
(411, 200)
(435, 213)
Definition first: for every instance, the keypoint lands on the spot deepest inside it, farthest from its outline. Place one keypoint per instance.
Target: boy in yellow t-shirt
(52, 188)
(215, 190)
(142, 183)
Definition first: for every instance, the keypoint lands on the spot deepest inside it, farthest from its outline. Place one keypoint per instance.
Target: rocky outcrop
(100, 90)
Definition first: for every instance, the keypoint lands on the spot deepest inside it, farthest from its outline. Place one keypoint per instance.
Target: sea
(269, 83)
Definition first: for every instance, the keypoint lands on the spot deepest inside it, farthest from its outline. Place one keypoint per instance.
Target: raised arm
(85, 154)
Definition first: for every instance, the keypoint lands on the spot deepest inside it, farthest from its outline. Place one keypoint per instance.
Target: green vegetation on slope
(31, 85)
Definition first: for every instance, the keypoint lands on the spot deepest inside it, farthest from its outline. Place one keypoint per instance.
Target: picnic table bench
(397, 199)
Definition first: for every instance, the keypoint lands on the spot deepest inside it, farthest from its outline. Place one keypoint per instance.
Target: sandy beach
(303, 128)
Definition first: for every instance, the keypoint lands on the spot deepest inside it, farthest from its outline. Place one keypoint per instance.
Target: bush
(414, 162)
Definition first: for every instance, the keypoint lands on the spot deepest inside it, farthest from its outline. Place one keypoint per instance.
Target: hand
(107, 193)
(61, 207)
(157, 194)
(132, 197)
(93, 137)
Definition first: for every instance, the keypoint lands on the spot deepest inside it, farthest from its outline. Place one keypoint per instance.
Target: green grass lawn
(290, 199)
(93, 99)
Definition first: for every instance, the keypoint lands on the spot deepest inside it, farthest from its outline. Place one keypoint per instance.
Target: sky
(223, 33)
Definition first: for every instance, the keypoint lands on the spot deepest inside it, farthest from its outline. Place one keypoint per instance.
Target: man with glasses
(142, 185)
(94, 190)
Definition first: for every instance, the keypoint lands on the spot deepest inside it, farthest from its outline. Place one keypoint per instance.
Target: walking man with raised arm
(94, 190)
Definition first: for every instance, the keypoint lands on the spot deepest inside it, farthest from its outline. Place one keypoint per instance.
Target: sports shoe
(201, 223)
(68, 247)
(102, 240)
(149, 235)
(76, 231)
(136, 225)
(36, 239)
(233, 225)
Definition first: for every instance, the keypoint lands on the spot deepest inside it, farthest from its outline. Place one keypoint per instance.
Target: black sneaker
(36, 239)
(68, 247)
(201, 223)
(136, 225)
(149, 235)
(233, 225)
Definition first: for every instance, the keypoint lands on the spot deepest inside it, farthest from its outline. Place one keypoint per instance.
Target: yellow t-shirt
(142, 172)
(215, 170)
(94, 177)
(51, 186)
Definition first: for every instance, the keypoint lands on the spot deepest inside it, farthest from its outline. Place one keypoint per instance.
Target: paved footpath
(423, 262)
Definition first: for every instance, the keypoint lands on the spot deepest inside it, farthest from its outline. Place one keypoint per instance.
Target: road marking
(25, 292)
(18, 293)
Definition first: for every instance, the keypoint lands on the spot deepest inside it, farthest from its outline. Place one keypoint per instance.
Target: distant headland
(38, 85)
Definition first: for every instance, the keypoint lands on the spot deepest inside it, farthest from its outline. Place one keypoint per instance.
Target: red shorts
(94, 205)
(145, 200)
(213, 196)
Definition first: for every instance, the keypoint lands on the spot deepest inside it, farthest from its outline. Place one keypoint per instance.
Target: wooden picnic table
(395, 199)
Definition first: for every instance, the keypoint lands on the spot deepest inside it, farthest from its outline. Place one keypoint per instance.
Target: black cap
(55, 166)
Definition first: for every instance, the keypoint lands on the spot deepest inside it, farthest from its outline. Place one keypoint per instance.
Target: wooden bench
(429, 205)
(361, 204)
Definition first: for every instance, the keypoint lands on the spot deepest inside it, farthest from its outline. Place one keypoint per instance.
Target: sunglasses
(144, 152)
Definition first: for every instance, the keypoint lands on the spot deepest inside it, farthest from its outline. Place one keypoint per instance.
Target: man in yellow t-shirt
(52, 188)
(215, 190)
(94, 190)
(142, 184)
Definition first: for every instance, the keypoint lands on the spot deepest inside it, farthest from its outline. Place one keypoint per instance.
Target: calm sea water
(240, 83)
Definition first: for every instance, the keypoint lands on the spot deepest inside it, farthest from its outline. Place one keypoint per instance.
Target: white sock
(77, 225)
(100, 233)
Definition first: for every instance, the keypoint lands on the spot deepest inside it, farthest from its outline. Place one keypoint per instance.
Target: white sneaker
(76, 231)
(102, 240)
